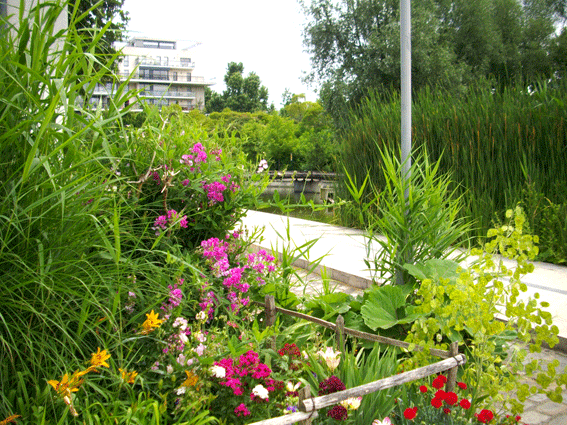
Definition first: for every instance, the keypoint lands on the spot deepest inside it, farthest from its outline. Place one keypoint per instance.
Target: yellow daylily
(191, 379)
(67, 385)
(128, 377)
(10, 419)
(151, 323)
(99, 358)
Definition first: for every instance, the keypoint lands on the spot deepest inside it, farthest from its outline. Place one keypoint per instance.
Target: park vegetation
(129, 293)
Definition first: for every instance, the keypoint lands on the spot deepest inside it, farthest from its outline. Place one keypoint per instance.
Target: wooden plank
(292, 418)
(317, 403)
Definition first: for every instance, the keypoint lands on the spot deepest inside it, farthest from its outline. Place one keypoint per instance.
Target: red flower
(451, 398)
(465, 404)
(338, 413)
(437, 402)
(423, 389)
(484, 416)
(447, 411)
(462, 385)
(410, 413)
(439, 382)
(518, 418)
(440, 394)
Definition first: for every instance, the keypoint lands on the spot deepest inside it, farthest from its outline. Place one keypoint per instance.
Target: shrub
(461, 305)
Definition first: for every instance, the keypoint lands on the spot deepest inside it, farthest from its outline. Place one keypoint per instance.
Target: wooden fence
(309, 405)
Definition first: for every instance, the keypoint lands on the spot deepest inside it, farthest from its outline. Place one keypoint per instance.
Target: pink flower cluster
(172, 217)
(239, 372)
(236, 280)
(208, 303)
(199, 156)
(175, 297)
(215, 190)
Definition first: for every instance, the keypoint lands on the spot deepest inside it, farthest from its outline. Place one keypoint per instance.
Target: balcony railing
(165, 94)
(163, 63)
(169, 78)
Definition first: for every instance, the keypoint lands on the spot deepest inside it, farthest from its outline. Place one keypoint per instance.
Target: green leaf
(384, 308)
(434, 269)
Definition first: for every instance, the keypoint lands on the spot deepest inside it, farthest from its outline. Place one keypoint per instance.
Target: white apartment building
(161, 71)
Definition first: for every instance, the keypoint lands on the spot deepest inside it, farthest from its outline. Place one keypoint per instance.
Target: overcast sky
(265, 35)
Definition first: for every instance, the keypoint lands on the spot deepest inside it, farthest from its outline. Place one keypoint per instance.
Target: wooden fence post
(340, 334)
(304, 394)
(452, 375)
(271, 317)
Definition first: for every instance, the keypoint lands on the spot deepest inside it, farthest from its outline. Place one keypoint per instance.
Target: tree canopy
(242, 94)
(355, 44)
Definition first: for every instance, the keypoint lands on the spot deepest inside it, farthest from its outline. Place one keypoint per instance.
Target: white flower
(218, 371)
(199, 336)
(180, 390)
(181, 359)
(183, 338)
(351, 403)
(331, 357)
(386, 421)
(291, 387)
(260, 391)
(169, 369)
(201, 316)
(200, 349)
(181, 323)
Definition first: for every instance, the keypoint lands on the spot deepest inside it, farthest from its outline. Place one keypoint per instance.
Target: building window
(189, 77)
(174, 76)
(185, 62)
(150, 44)
(154, 74)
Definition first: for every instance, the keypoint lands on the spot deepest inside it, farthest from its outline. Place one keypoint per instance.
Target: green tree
(354, 45)
(242, 94)
(98, 14)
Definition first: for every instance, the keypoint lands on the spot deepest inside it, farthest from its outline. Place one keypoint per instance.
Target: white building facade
(162, 72)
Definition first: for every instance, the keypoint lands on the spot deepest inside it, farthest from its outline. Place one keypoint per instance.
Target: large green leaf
(434, 269)
(386, 307)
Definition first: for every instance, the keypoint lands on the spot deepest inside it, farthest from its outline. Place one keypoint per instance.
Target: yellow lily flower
(10, 419)
(99, 358)
(151, 323)
(128, 377)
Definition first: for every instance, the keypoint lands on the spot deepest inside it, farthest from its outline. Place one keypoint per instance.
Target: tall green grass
(61, 270)
(493, 143)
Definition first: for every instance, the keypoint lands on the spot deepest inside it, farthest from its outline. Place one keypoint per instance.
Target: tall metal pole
(405, 52)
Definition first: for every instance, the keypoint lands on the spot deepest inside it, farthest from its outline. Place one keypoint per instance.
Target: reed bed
(493, 143)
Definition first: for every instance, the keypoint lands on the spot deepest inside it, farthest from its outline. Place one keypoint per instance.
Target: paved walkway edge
(362, 283)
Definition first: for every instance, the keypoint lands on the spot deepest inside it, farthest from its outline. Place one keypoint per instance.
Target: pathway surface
(342, 251)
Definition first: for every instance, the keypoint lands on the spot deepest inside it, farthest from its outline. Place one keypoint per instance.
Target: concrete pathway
(341, 252)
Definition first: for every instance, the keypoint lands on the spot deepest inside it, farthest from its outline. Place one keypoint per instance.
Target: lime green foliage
(417, 218)
(466, 305)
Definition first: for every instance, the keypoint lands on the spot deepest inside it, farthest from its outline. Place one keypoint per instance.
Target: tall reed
(60, 281)
(492, 142)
